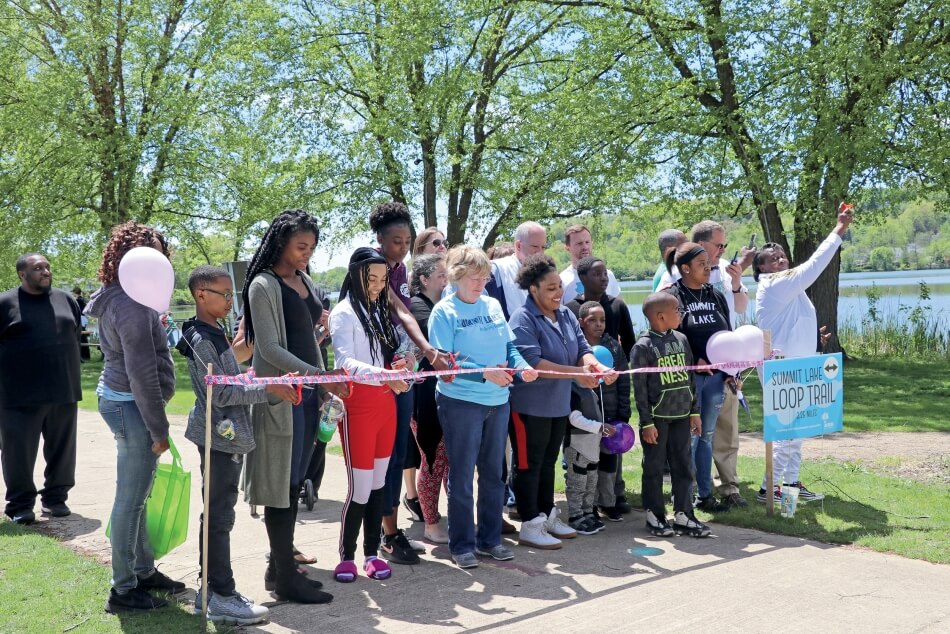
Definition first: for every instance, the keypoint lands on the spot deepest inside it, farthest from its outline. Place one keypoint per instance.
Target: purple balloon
(621, 442)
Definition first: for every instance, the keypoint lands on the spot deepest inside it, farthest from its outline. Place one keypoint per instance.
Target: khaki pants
(726, 444)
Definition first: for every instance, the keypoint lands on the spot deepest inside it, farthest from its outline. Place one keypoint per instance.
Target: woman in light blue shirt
(473, 408)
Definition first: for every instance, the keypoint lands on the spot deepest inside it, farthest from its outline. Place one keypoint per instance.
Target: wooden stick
(205, 599)
(769, 480)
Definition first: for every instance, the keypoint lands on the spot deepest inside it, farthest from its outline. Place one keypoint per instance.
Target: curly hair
(124, 238)
(534, 268)
(423, 266)
(268, 253)
(386, 215)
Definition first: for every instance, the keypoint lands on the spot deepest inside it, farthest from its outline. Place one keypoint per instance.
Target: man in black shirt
(39, 389)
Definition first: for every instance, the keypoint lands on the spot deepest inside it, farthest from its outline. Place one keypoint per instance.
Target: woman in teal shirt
(473, 408)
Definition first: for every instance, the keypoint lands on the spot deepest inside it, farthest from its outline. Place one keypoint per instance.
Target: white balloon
(146, 276)
(743, 345)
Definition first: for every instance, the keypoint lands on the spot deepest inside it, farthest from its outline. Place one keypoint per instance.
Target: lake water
(898, 291)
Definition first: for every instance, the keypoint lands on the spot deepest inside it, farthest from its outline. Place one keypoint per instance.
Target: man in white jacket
(782, 307)
(580, 244)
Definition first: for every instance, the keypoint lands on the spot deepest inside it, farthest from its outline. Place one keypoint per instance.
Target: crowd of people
(533, 391)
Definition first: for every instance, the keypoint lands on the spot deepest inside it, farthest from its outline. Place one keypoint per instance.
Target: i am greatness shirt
(705, 312)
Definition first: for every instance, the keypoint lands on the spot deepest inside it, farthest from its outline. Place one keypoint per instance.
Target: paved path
(742, 580)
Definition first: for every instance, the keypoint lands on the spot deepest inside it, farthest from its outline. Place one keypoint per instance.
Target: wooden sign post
(205, 599)
(769, 481)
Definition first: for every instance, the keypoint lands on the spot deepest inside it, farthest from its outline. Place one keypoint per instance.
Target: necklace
(702, 293)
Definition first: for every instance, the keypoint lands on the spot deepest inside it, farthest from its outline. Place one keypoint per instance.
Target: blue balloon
(603, 355)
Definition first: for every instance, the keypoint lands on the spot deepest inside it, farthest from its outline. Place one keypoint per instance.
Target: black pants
(225, 475)
(535, 442)
(672, 443)
(317, 466)
(20, 431)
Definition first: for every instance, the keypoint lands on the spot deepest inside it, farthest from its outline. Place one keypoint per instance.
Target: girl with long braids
(280, 314)
(364, 342)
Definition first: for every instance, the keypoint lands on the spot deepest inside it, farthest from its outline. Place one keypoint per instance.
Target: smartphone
(752, 242)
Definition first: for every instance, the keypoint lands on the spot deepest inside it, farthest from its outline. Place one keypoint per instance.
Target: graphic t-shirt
(478, 334)
(705, 312)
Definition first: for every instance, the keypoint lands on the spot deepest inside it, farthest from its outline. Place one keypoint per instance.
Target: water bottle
(226, 429)
(332, 414)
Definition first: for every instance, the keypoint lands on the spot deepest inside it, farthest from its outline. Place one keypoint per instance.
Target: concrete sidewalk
(621, 579)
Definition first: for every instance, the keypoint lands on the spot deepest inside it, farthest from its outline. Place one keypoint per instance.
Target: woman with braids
(393, 227)
(137, 379)
(426, 284)
(365, 342)
(281, 312)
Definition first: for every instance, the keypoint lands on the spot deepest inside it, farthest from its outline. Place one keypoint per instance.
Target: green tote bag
(168, 505)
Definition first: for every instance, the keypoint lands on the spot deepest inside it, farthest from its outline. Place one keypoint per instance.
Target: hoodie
(137, 360)
(201, 344)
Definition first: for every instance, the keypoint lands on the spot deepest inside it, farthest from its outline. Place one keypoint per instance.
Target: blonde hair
(424, 238)
(464, 260)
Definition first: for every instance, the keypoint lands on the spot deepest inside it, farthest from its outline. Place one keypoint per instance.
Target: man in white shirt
(726, 277)
(782, 307)
(668, 241)
(530, 238)
(578, 242)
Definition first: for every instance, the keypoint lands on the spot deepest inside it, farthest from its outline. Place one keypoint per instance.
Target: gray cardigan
(267, 474)
(137, 360)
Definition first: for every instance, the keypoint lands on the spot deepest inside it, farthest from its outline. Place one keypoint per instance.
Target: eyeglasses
(721, 246)
(228, 295)
(440, 243)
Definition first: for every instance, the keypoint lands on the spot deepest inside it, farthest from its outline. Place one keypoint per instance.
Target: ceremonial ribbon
(249, 378)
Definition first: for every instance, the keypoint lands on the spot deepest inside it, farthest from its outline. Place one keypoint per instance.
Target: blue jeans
(405, 403)
(132, 555)
(709, 395)
(474, 438)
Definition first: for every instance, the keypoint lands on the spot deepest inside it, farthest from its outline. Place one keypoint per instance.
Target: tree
(805, 104)
(499, 109)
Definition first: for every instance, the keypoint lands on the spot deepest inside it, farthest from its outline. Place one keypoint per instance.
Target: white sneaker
(534, 534)
(233, 610)
(436, 533)
(554, 526)
(417, 546)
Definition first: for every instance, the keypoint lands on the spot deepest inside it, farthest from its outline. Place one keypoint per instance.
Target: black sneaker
(776, 495)
(135, 600)
(513, 514)
(161, 582)
(622, 506)
(595, 522)
(397, 549)
(611, 513)
(804, 495)
(687, 524)
(711, 505)
(23, 517)
(581, 524)
(412, 505)
(734, 500)
(658, 525)
(56, 509)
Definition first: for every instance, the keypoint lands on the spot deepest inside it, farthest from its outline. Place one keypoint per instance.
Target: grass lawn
(70, 594)
(879, 395)
(862, 508)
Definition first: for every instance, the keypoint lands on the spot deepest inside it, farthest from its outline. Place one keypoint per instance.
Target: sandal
(345, 572)
(299, 557)
(376, 568)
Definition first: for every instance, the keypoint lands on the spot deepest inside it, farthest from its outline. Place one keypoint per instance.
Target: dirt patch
(920, 456)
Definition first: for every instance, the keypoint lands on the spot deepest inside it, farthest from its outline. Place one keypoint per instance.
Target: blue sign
(802, 397)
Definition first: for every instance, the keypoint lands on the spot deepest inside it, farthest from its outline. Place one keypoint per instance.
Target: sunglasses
(228, 295)
(440, 243)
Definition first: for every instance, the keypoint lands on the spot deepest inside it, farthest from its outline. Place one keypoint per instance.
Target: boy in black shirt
(666, 405)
